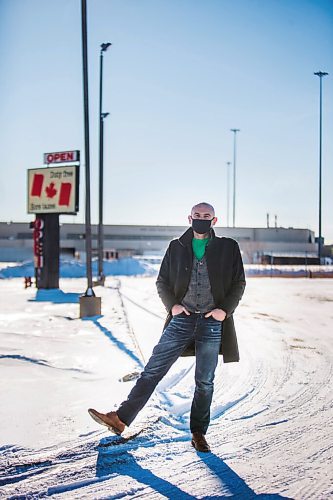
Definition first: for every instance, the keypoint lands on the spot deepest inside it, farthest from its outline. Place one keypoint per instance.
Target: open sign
(62, 157)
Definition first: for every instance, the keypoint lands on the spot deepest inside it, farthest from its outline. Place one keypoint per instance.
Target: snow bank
(135, 266)
(289, 271)
(74, 269)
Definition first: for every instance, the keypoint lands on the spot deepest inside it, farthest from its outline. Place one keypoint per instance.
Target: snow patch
(74, 269)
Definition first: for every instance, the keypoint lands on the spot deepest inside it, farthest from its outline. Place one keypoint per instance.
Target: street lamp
(228, 190)
(89, 304)
(104, 48)
(234, 130)
(320, 74)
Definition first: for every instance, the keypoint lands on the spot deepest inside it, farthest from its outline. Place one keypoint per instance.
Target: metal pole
(320, 169)
(234, 130)
(320, 74)
(100, 218)
(89, 291)
(228, 190)
(104, 47)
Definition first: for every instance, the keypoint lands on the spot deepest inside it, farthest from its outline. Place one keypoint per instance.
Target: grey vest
(198, 297)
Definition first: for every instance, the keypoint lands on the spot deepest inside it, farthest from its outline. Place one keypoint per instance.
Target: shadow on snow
(118, 343)
(41, 362)
(124, 463)
(56, 296)
(231, 481)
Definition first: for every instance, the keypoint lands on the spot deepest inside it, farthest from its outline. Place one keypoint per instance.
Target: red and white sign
(38, 242)
(61, 157)
(53, 190)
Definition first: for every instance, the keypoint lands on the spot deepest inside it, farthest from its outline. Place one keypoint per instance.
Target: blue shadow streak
(25, 358)
(41, 362)
(56, 296)
(118, 343)
(232, 481)
(121, 462)
(125, 464)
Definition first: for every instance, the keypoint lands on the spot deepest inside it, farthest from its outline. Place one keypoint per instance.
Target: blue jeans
(180, 332)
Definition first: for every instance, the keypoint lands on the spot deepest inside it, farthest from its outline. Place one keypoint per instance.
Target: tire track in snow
(129, 328)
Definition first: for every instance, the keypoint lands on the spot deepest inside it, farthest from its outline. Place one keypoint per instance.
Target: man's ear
(214, 221)
(190, 220)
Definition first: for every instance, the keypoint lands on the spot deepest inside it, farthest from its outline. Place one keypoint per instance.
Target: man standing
(200, 282)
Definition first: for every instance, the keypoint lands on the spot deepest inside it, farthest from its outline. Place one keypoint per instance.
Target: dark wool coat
(226, 275)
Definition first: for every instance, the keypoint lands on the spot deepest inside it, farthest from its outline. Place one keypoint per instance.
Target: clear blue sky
(179, 75)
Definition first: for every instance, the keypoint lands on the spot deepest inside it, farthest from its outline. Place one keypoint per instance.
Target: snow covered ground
(271, 429)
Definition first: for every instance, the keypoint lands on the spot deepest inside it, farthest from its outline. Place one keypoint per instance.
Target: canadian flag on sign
(57, 191)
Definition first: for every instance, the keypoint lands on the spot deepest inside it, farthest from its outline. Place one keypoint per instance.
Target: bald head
(203, 208)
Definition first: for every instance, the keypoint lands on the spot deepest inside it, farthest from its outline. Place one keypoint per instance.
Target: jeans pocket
(213, 319)
(180, 316)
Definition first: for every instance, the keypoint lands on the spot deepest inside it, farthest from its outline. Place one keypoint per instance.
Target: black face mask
(201, 226)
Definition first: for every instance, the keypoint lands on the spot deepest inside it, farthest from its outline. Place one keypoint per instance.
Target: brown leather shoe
(199, 442)
(111, 420)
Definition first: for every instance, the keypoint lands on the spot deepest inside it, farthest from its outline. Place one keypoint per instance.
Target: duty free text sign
(53, 190)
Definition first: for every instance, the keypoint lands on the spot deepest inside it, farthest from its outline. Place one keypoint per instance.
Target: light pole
(89, 304)
(228, 190)
(234, 130)
(320, 74)
(104, 48)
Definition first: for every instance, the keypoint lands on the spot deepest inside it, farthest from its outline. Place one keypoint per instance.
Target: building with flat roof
(258, 245)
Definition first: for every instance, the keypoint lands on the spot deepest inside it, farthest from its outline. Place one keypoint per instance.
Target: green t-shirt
(199, 247)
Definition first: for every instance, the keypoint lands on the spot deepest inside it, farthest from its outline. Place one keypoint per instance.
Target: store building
(258, 245)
